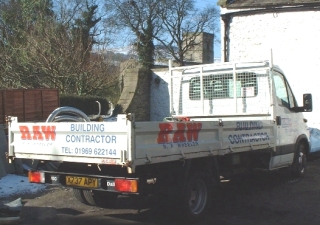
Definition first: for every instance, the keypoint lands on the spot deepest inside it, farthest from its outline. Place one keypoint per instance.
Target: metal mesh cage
(204, 91)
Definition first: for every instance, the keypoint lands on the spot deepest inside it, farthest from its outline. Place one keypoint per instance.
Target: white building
(250, 29)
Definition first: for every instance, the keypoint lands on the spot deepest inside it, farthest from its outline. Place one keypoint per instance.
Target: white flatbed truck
(224, 117)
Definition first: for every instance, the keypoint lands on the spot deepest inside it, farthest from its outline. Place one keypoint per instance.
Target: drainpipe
(224, 31)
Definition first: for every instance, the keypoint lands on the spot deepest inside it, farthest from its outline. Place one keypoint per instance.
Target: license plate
(82, 181)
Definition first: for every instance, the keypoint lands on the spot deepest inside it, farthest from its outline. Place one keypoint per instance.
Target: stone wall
(140, 104)
(135, 95)
(203, 51)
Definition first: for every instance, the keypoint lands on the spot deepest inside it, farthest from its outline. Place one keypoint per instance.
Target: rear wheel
(78, 194)
(100, 198)
(299, 164)
(197, 196)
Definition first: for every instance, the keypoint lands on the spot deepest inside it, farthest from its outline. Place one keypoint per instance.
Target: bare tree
(175, 24)
(63, 63)
(141, 18)
(18, 19)
(182, 23)
(42, 49)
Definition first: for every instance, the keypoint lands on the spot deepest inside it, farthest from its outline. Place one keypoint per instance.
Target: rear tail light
(124, 185)
(36, 177)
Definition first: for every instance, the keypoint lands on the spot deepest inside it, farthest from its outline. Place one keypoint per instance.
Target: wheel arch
(303, 138)
(207, 165)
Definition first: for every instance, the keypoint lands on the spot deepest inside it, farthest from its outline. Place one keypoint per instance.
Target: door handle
(278, 120)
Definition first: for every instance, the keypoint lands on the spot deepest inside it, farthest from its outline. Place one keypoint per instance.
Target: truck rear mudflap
(84, 181)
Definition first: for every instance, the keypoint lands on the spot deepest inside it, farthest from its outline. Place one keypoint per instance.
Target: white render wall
(294, 38)
(159, 95)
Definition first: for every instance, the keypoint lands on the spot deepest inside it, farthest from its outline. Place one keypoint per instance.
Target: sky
(199, 4)
(217, 46)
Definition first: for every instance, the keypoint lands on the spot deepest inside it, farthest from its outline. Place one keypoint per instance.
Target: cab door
(286, 121)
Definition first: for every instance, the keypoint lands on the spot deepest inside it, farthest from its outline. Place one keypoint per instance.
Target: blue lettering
(245, 138)
(230, 139)
(91, 138)
(98, 127)
(87, 138)
(249, 125)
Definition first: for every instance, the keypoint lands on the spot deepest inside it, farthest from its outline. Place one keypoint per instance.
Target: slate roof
(238, 4)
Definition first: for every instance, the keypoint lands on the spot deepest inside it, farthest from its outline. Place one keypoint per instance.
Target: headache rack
(226, 89)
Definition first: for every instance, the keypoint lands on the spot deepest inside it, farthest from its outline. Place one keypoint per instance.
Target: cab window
(283, 92)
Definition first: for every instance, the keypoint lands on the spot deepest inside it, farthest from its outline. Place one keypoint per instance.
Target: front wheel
(197, 196)
(299, 164)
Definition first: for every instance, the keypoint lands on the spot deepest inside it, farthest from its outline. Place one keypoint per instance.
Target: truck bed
(131, 144)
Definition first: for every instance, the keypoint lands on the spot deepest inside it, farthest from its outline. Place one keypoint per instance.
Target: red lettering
(25, 134)
(179, 134)
(165, 130)
(193, 131)
(37, 135)
(49, 131)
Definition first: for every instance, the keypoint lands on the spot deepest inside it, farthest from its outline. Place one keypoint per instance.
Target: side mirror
(307, 102)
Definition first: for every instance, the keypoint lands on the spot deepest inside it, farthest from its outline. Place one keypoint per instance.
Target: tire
(101, 198)
(78, 194)
(299, 165)
(196, 197)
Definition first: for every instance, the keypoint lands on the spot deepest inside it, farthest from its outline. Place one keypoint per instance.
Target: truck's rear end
(86, 142)
(80, 151)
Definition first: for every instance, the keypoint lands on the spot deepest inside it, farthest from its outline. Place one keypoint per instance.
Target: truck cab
(254, 95)
(290, 122)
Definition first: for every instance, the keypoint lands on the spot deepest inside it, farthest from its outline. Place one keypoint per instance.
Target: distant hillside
(118, 55)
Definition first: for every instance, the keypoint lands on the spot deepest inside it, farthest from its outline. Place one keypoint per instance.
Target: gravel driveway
(261, 198)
